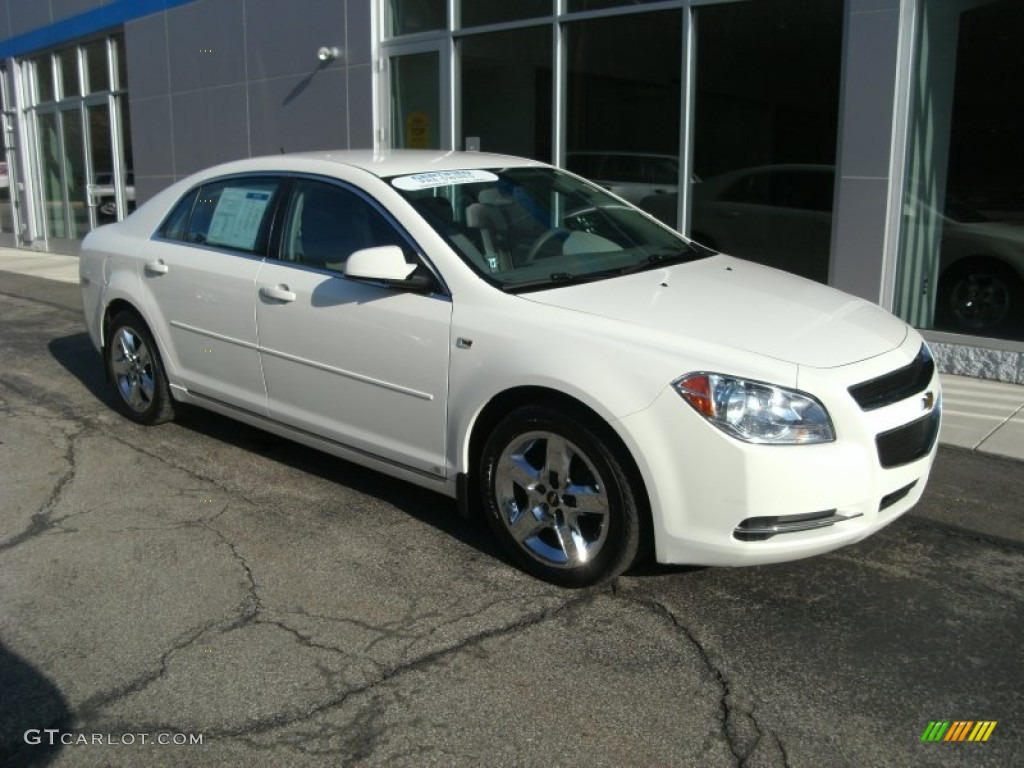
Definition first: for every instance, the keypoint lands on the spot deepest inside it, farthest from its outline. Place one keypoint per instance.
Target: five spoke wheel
(134, 367)
(552, 499)
(559, 498)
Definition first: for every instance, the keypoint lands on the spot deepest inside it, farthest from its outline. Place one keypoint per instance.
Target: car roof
(382, 163)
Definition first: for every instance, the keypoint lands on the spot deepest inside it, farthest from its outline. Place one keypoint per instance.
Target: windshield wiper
(556, 278)
(655, 259)
(661, 257)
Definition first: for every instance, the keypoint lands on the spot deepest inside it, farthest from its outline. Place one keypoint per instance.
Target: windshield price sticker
(441, 179)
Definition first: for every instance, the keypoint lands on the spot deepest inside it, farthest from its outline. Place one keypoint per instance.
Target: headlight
(756, 412)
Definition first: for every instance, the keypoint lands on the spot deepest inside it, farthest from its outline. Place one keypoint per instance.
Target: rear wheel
(135, 369)
(559, 498)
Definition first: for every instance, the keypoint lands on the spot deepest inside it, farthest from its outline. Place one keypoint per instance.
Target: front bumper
(718, 501)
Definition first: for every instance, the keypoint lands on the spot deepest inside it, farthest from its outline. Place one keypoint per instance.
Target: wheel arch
(112, 310)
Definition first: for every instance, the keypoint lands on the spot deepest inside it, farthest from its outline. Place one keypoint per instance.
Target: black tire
(979, 295)
(571, 517)
(136, 372)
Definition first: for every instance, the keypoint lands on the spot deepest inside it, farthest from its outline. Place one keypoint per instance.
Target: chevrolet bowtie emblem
(928, 401)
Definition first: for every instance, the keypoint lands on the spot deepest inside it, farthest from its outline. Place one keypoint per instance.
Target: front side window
(232, 214)
(528, 228)
(326, 223)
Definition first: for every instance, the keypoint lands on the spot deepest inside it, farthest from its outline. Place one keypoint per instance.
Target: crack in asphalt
(43, 520)
(735, 721)
(91, 707)
(248, 732)
(417, 664)
(66, 411)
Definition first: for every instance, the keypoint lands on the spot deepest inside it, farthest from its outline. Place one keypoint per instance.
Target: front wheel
(559, 499)
(135, 369)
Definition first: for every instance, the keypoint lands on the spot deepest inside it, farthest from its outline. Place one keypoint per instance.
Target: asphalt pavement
(202, 593)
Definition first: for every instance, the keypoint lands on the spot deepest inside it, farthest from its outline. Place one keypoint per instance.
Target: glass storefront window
(79, 144)
(962, 251)
(44, 80)
(416, 101)
(74, 173)
(765, 131)
(407, 17)
(623, 115)
(102, 195)
(475, 13)
(51, 168)
(68, 65)
(8, 223)
(506, 91)
(595, 5)
(96, 65)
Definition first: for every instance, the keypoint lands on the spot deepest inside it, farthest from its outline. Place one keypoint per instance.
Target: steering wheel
(545, 240)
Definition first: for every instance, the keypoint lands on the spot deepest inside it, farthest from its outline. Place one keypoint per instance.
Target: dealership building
(874, 145)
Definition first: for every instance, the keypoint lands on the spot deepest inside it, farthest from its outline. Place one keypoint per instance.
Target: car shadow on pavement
(76, 354)
(426, 506)
(32, 704)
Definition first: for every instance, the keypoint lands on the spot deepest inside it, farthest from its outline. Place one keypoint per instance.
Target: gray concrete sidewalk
(984, 416)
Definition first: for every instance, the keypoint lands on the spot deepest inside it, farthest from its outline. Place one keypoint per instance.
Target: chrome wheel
(136, 371)
(980, 300)
(131, 364)
(551, 499)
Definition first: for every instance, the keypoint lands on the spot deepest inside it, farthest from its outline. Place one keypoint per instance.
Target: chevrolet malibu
(510, 335)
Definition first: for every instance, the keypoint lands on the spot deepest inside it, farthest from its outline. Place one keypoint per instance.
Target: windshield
(531, 228)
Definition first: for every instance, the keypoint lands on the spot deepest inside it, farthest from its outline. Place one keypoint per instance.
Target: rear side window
(232, 214)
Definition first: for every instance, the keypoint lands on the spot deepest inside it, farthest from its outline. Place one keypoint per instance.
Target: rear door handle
(156, 267)
(277, 293)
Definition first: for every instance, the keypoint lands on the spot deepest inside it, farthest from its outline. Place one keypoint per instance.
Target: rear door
(201, 272)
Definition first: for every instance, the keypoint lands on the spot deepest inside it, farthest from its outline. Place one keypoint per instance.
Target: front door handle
(156, 267)
(277, 293)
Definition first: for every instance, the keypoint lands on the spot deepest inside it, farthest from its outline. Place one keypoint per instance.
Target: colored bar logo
(959, 730)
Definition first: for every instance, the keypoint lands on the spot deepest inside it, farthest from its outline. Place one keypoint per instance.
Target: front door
(361, 364)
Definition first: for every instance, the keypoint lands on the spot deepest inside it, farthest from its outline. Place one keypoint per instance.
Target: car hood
(727, 301)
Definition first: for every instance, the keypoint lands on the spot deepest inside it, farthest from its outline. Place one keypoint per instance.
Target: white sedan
(517, 338)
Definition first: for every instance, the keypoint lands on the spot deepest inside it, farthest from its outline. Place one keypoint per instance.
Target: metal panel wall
(213, 81)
